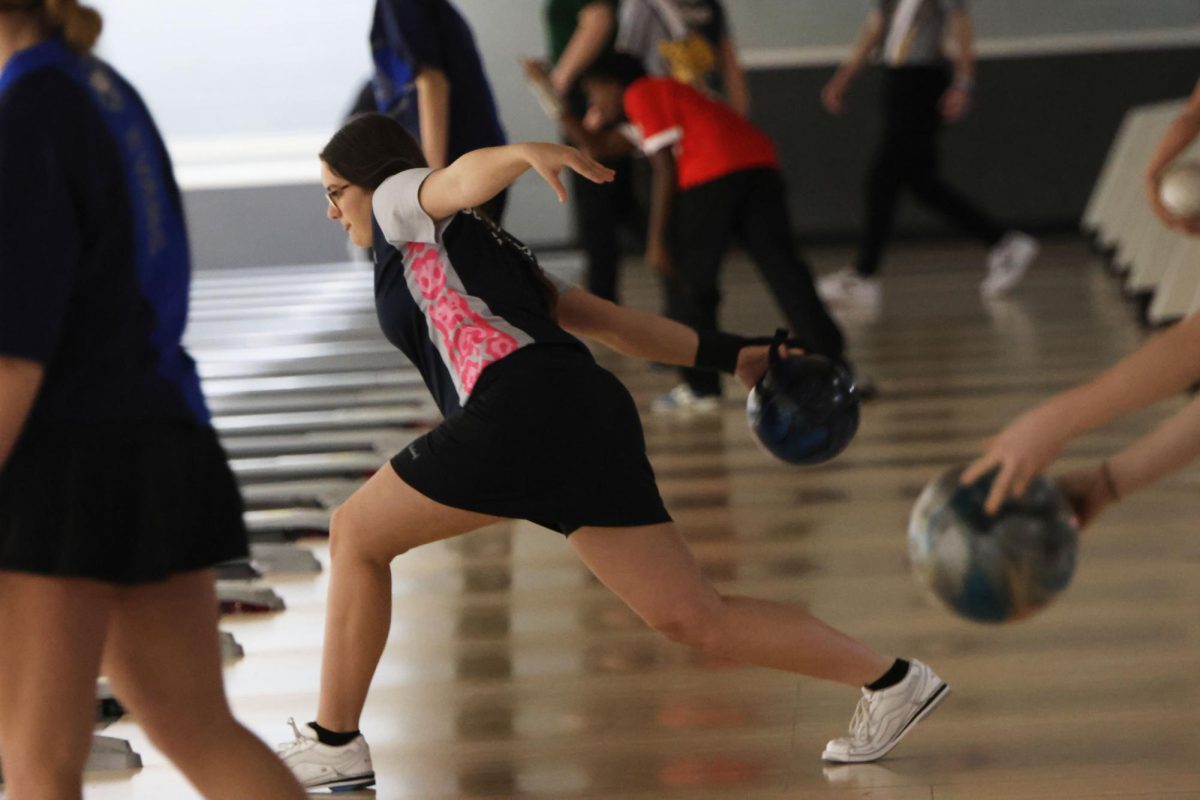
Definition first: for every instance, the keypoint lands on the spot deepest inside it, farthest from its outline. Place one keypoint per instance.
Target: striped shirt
(915, 30)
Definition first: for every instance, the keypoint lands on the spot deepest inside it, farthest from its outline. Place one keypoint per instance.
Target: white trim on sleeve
(661, 140)
(397, 208)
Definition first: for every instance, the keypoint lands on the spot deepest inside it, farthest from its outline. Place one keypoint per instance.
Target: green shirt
(562, 18)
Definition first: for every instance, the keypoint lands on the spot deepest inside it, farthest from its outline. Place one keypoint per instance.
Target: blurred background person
(116, 500)
(690, 40)
(430, 78)
(578, 32)
(922, 91)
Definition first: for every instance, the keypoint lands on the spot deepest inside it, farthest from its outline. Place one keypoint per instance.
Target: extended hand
(1021, 451)
(1087, 491)
(549, 160)
(956, 102)
(753, 361)
(833, 96)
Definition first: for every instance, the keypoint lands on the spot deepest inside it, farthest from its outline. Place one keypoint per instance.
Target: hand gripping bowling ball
(804, 410)
(992, 569)
(1180, 189)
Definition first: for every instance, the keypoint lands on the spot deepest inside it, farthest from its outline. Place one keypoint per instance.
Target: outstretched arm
(1166, 365)
(644, 335)
(20, 381)
(480, 175)
(1168, 448)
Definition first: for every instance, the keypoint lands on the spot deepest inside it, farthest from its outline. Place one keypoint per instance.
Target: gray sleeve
(398, 211)
(638, 30)
(561, 284)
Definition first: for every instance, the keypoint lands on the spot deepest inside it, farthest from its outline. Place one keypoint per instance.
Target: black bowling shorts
(548, 436)
(127, 502)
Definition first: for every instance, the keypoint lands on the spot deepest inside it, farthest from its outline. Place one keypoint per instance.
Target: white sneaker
(847, 288)
(1007, 263)
(884, 717)
(322, 766)
(683, 399)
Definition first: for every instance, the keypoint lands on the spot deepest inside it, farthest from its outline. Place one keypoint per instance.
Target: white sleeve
(397, 208)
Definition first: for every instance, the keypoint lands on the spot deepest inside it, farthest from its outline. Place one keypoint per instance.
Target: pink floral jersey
(469, 339)
(455, 296)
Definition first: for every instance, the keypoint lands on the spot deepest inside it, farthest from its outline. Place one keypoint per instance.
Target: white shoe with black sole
(321, 766)
(884, 717)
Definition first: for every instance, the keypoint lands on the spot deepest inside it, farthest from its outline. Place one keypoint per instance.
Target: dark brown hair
(370, 148)
(80, 25)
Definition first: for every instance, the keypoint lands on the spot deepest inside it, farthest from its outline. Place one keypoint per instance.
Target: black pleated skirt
(548, 436)
(126, 502)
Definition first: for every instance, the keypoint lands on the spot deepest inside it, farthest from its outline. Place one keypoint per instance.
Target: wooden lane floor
(510, 672)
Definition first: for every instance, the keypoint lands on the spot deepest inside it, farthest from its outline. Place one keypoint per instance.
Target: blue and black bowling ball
(998, 568)
(805, 409)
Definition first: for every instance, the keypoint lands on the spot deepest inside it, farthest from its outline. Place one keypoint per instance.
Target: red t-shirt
(711, 140)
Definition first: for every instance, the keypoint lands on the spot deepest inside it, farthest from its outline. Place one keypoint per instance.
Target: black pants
(908, 157)
(603, 213)
(749, 207)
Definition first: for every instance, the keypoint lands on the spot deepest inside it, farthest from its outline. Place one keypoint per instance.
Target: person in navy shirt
(534, 429)
(115, 496)
(430, 78)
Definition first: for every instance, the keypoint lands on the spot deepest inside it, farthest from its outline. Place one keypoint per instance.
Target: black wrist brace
(719, 351)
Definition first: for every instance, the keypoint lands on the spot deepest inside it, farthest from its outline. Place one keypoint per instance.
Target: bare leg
(163, 659)
(52, 630)
(384, 519)
(652, 569)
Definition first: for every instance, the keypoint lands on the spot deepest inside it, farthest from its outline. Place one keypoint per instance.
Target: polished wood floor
(510, 673)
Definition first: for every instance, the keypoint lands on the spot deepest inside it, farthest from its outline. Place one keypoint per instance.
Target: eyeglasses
(333, 194)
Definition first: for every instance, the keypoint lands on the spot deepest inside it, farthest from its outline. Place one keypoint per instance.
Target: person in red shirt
(716, 181)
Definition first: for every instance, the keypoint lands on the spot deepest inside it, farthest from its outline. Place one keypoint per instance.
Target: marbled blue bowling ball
(992, 569)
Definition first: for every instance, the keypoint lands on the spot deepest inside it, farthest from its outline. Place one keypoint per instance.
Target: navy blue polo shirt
(409, 35)
(457, 296)
(94, 263)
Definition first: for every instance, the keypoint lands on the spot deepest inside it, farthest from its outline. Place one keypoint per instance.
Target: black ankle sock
(896, 673)
(333, 738)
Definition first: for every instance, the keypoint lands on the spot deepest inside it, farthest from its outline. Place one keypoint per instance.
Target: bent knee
(698, 626)
(349, 535)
